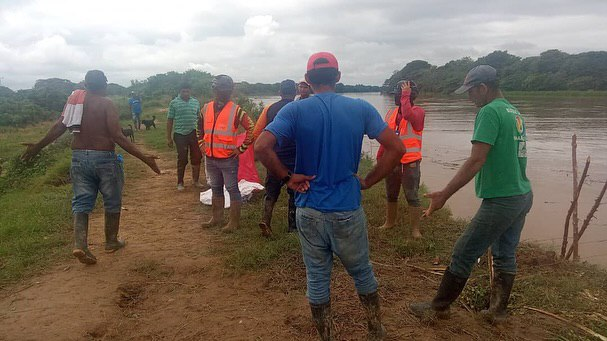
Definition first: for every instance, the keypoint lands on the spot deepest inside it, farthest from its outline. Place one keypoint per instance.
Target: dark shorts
(408, 176)
(94, 171)
(185, 143)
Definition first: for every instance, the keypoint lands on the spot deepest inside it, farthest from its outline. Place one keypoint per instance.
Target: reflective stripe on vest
(219, 132)
(411, 138)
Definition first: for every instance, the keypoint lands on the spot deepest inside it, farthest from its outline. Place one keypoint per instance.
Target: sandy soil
(166, 285)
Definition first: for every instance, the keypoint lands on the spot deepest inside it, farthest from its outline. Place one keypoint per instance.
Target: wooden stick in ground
(576, 221)
(589, 217)
(577, 325)
(572, 206)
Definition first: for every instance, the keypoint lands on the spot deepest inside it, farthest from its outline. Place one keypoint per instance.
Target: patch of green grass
(34, 229)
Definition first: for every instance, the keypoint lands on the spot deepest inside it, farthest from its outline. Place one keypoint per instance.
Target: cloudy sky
(267, 41)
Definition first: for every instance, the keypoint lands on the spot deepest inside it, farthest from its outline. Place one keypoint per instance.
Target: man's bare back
(94, 132)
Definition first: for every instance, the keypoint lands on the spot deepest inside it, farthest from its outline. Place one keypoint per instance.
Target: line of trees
(552, 70)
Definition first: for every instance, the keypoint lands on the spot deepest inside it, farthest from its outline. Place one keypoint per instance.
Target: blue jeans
(222, 172)
(95, 171)
(343, 233)
(497, 224)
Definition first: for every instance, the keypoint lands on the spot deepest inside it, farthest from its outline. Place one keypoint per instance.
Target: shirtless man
(95, 166)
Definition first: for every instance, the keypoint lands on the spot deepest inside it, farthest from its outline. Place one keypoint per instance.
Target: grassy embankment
(34, 201)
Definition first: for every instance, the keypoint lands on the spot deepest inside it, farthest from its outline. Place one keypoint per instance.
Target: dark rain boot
(371, 304)
(81, 248)
(500, 294)
(234, 222)
(112, 225)
(292, 227)
(321, 314)
(450, 288)
(217, 205)
(265, 224)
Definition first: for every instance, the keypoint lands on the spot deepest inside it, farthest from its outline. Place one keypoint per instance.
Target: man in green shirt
(182, 121)
(499, 161)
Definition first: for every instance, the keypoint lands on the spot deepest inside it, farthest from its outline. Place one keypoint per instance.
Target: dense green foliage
(552, 70)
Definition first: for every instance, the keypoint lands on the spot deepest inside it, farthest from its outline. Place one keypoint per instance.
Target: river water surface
(550, 123)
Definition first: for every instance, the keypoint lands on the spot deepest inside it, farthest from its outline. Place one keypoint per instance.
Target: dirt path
(165, 285)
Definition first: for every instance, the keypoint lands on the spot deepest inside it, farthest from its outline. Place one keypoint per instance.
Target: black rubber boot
(112, 225)
(291, 214)
(450, 288)
(321, 314)
(372, 309)
(266, 220)
(500, 294)
(81, 248)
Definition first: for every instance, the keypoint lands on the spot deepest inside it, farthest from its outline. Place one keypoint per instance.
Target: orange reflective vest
(220, 131)
(412, 139)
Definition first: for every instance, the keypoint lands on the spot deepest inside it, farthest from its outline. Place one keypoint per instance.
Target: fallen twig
(577, 325)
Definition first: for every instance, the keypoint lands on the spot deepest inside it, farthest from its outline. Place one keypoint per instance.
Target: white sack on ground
(246, 191)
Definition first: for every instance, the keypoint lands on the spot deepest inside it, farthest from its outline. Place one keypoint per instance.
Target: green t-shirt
(184, 115)
(501, 125)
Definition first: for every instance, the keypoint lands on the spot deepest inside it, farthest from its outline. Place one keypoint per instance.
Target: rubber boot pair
(500, 294)
(81, 227)
(234, 217)
(266, 220)
(321, 314)
(449, 290)
(217, 205)
(391, 214)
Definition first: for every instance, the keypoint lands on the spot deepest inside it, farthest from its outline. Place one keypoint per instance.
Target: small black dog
(128, 132)
(149, 123)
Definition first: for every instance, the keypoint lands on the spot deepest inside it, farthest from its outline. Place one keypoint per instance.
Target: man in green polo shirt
(182, 121)
(499, 161)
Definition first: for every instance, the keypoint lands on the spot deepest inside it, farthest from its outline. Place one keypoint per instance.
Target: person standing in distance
(182, 120)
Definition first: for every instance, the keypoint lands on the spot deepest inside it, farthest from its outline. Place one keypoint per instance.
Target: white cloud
(260, 26)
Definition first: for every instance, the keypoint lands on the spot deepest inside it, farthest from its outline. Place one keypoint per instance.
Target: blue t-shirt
(328, 131)
(135, 104)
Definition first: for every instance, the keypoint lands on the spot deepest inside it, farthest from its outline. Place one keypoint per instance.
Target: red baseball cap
(322, 60)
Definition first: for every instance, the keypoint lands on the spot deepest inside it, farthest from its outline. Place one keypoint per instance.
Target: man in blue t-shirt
(135, 105)
(328, 130)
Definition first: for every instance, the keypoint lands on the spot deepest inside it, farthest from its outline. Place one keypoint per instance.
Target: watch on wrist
(287, 177)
